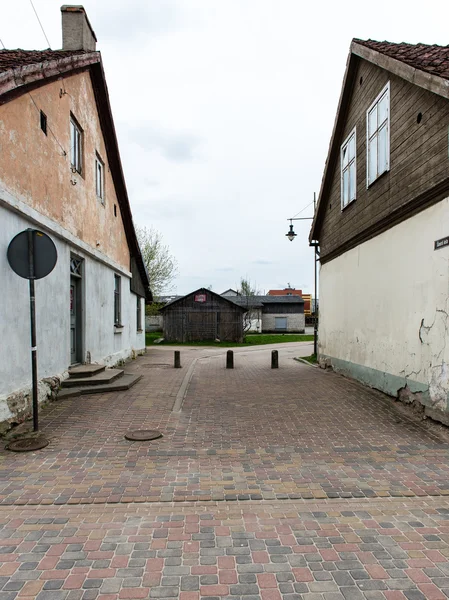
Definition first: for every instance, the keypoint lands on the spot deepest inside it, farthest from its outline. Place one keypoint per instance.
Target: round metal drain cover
(143, 435)
(27, 444)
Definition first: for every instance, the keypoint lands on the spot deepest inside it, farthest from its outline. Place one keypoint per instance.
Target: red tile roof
(12, 59)
(431, 59)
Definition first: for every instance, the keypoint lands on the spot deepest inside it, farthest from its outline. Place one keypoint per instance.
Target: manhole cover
(143, 435)
(27, 444)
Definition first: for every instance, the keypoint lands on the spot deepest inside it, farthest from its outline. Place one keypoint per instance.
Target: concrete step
(83, 371)
(105, 377)
(120, 385)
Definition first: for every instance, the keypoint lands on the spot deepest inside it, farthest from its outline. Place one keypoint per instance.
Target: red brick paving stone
(134, 593)
(417, 575)
(270, 595)
(189, 596)
(303, 574)
(214, 590)
(227, 576)
(377, 572)
(266, 580)
(74, 582)
(431, 592)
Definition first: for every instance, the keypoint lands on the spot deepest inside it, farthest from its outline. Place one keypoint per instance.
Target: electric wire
(4, 48)
(64, 153)
(302, 210)
(37, 17)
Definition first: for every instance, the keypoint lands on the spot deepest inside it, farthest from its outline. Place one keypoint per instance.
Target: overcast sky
(224, 111)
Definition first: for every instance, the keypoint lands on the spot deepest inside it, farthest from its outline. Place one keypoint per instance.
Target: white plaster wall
(53, 318)
(384, 304)
(52, 292)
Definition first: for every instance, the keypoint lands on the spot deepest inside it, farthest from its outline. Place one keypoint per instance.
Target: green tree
(162, 267)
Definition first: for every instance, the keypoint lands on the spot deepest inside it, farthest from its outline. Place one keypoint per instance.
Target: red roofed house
(382, 223)
(60, 172)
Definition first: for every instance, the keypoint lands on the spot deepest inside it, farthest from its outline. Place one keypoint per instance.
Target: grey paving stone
(170, 581)
(92, 583)
(243, 589)
(164, 592)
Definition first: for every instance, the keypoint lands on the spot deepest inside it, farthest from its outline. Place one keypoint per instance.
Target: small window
(99, 178)
(348, 170)
(117, 301)
(139, 313)
(378, 136)
(44, 122)
(76, 145)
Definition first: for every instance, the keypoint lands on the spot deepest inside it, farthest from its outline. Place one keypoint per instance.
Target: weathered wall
(295, 322)
(384, 310)
(154, 323)
(102, 343)
(35, 170)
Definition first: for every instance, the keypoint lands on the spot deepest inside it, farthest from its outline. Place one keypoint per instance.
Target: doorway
(76, 338)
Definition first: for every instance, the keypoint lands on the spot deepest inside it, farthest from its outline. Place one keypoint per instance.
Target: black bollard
(229, 359)
(177, 359)
(274, 359)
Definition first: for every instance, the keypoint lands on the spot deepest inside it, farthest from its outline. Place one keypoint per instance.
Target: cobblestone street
(268, 484)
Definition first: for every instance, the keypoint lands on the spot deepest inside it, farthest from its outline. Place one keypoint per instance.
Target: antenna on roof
(2, 44)
(37, 17)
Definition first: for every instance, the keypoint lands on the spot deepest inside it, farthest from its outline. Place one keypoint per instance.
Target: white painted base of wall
(101, 344)
(384, 310)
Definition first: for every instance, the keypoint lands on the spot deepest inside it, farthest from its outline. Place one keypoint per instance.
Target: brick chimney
(77, 32)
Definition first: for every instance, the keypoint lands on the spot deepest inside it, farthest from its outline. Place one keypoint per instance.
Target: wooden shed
(203, 315)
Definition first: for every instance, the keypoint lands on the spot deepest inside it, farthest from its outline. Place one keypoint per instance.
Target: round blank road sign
(45, 254)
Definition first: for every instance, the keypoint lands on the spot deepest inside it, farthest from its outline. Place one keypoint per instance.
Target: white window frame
(343, 168)
(99, 178)
(76, 145)
(380, 170)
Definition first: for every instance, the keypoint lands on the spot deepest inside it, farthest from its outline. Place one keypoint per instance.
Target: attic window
(348, 169)
(378, 136)
(44, 122)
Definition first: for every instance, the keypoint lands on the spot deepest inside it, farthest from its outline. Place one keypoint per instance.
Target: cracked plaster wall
(384, 310)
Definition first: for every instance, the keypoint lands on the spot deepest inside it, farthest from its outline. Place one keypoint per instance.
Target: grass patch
(251, 340)
(311, 359)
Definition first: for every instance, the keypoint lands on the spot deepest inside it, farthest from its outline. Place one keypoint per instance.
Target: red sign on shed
(200, 297)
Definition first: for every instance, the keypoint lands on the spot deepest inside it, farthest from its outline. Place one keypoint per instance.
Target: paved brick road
(332, 493)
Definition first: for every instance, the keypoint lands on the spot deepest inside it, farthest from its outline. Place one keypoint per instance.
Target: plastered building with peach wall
(60, 173)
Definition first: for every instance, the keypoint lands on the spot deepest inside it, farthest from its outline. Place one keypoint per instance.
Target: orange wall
(34, 169)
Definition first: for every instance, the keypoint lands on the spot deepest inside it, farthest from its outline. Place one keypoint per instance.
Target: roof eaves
(338, 125)
(428, 81)
(13, 79)
(108, 128)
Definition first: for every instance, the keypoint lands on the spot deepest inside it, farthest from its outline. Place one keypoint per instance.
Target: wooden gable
(419, 166)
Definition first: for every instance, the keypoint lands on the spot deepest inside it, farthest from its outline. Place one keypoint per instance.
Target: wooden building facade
(203, 315)
(382, 223)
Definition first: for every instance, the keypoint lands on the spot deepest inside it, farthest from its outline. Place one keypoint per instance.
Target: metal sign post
(32, 255)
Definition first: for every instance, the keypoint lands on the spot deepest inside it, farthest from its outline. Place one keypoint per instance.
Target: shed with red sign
(203, 315)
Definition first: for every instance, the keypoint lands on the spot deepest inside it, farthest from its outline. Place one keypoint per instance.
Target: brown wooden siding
(187, 320)
(418, 157)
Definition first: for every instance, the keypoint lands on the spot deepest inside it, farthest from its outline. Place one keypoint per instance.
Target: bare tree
(248, 291)
(162, 267)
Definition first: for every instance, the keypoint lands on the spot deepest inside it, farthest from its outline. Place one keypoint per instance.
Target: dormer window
(348, 170)
(378, 136)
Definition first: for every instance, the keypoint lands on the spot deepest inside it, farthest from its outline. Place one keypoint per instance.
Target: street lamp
(291, 236)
